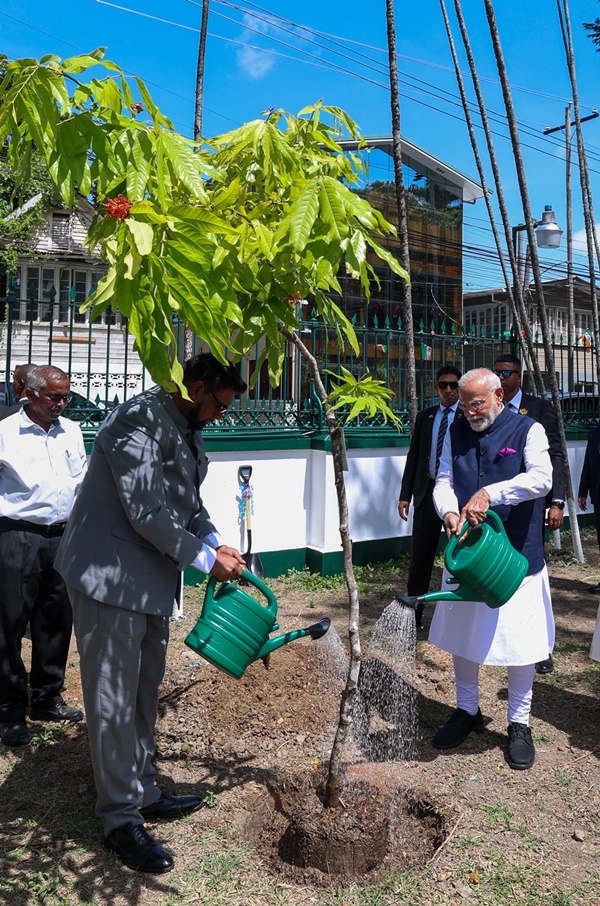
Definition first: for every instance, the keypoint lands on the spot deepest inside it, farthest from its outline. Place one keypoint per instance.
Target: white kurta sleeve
(536, 481)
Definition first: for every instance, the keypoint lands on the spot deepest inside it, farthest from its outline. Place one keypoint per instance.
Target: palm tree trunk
(409, 336)
(514, 287)
(537, 277)
(200, 72)
(188, 336)
(586, 195)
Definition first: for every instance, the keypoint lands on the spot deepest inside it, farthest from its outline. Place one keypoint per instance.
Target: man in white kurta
(492, 462)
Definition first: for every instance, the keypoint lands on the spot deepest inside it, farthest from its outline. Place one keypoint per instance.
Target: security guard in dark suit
(418, 480)
(589, 483)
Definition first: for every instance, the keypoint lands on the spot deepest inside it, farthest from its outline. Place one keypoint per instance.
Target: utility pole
(569, 203)
(409, 336)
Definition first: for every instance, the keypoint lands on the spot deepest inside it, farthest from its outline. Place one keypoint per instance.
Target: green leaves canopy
(226, 236)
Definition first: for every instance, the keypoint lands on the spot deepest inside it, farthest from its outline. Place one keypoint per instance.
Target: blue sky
(256, 60)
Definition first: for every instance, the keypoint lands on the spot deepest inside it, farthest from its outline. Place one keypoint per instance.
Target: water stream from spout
(385, 707)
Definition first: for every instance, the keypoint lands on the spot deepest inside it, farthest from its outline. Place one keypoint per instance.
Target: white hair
(487, 377)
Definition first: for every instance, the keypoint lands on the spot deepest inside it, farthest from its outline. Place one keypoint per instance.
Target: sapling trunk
(338, 451)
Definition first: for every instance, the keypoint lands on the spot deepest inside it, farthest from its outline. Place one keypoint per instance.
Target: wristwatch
(560, 504)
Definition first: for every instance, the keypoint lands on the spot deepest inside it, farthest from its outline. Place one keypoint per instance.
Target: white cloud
(580, 240)
(253, 61)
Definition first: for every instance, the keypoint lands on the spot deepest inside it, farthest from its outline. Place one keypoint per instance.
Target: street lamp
(547, 234)
(547, 231)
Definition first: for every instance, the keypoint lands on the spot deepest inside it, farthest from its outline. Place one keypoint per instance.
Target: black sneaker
(521, 750)
(546, 666)
(457, 729)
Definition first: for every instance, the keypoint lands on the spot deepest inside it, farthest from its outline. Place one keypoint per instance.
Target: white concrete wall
(295, 502)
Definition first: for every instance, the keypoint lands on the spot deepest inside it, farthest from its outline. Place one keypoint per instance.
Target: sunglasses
(504, 372)
(445, 385)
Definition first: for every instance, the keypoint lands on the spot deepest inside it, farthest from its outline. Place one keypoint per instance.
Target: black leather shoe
(137, 850)
(521, 750)
(546, 666)
(595, 589)
(458, 728)
(169, 807)
(15, 733)
(59, 711)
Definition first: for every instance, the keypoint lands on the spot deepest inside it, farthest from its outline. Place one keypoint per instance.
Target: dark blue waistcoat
(476, 462)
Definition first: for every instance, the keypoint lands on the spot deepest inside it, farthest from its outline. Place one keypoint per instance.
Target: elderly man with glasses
(492, 460)
(422, 463)
(508, 368)
(42, 464)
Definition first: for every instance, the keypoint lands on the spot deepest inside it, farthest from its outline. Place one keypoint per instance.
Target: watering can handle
(491, 515)
(252, 580)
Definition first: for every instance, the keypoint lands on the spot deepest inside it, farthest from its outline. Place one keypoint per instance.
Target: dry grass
(530, 838)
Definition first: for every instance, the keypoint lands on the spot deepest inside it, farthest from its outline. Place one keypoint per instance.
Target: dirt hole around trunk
(375, 831)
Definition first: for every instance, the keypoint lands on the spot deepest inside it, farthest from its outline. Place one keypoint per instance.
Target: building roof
(555, 293)
(470, 190)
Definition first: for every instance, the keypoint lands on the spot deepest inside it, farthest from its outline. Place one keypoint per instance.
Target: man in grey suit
(138, 522)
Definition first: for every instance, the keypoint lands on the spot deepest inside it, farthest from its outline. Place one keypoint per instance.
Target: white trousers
(520, 689)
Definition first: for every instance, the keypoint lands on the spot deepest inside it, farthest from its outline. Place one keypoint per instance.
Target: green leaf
(302, 215)
(142, 235)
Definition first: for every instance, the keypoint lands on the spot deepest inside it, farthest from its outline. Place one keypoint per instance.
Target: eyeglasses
(444, 385)
(220, 407)
(504, 372)
(475, 405)
(55, 398)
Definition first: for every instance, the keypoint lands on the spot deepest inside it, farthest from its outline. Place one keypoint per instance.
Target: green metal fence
(105, 370)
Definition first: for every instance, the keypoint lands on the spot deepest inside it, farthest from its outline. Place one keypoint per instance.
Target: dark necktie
(440, 439)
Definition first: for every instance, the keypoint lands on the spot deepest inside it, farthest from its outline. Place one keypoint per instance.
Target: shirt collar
(515, 402)
(28, 424)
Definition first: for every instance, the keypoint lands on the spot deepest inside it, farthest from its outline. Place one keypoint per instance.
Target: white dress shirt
(40, 471)
(435, 430)
(515, 404)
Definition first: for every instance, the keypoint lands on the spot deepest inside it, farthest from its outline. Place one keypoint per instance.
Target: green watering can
(233, 628)
(484, 564)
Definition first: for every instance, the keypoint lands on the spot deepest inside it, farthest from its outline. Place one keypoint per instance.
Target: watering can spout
(316, 631)
(411, 601)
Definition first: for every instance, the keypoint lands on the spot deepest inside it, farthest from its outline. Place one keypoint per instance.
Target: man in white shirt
(493, 460)
(42, 464)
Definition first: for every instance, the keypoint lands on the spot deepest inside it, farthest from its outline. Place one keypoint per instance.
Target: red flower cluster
(117, 208)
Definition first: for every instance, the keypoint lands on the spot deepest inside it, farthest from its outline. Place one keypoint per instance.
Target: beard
(481, 423)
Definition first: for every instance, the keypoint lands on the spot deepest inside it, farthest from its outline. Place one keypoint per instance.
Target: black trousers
(32, 594)
(425, 539)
